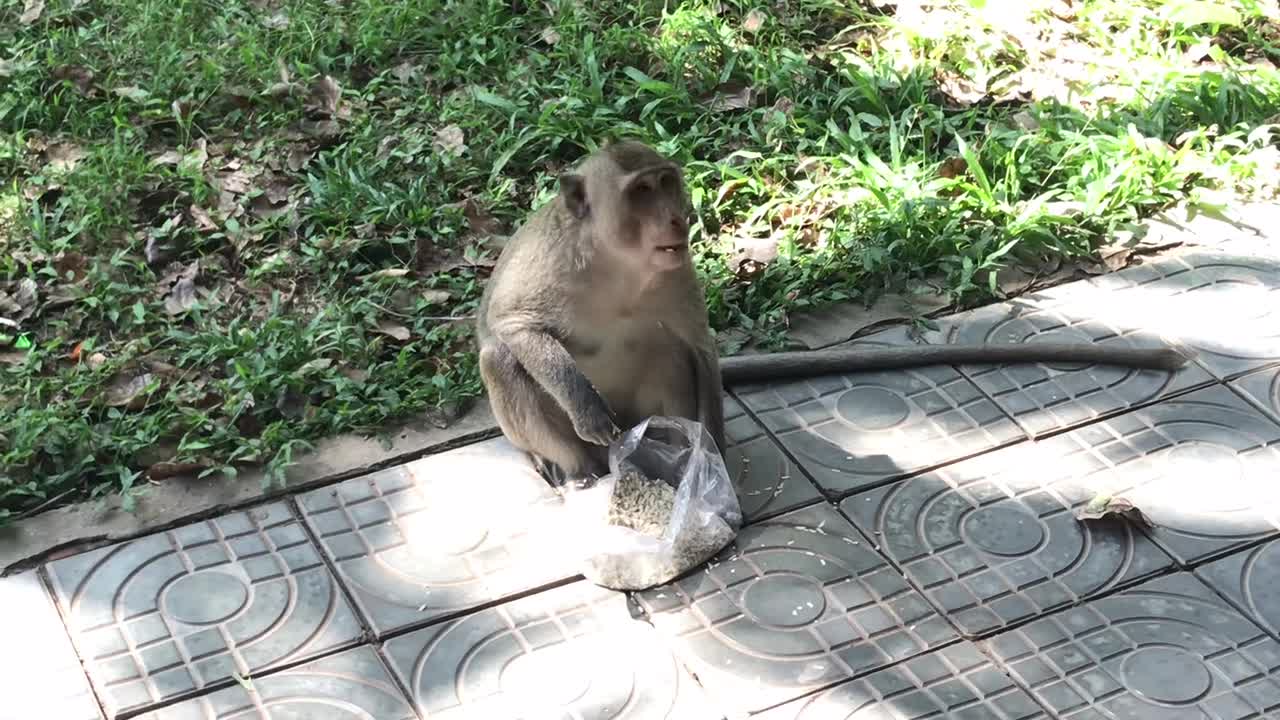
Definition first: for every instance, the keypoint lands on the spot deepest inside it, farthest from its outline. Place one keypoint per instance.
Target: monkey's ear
(574, 190)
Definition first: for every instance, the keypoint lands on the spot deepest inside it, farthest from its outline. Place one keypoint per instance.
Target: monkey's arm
(550, 364)
(777, 366)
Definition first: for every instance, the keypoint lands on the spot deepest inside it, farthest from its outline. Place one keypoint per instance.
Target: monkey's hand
(544, 357)
(593, 422)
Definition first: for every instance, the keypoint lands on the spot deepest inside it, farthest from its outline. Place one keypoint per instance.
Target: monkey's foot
(548, 470)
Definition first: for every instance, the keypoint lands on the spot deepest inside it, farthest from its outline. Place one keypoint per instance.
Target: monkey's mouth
(673, 249)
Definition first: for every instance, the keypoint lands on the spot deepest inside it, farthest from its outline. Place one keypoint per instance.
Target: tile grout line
(836, 496)
(91, 543)
(46, 586)
(977, 640)
(1066, 674)
(225, 683)
(369, 634)
(366, 628)
(385, 663)
(773, 440)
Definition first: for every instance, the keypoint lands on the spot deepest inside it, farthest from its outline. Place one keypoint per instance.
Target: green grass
(340, 250)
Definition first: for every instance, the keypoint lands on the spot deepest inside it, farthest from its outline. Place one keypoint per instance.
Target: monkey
(594, 319)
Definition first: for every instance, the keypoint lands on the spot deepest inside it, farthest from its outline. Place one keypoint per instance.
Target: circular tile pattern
(1066, 335)
(873, 408)
(784, 601)
(205, 598)
(1004, 529)
(1150, 673)
(555, 675)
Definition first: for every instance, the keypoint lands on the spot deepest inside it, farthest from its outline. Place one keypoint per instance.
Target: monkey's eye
(642, 188)
(668, 181)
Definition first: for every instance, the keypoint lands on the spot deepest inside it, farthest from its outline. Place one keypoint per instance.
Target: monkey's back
(539, 251)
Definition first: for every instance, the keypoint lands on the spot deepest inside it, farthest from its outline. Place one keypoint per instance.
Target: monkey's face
(654, 219)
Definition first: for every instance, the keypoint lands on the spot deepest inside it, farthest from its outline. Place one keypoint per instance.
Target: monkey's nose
(679, 223)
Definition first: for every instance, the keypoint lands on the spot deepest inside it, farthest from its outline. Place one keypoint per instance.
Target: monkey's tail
(809, 363)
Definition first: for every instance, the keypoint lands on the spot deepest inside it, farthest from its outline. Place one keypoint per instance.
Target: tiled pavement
(911, 553)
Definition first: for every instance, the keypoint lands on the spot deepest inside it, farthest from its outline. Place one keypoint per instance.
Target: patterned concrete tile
(1046, 397)
(40, 675)
(767, 481)
(956, 682)
(572, 652)
(990, 544)
(854, 431)
(1201, 466)
(1263, 389)
(1165, 650)
(352, 684)
(171, 613)
(1251, 580)
(1222, 307)
(797, 602)
(441, 534)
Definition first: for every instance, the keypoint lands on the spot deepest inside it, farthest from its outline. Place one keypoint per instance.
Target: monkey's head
(632, 204)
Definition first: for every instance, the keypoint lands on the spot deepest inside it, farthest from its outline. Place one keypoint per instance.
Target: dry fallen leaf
(128, 390)
(731, 100)
(79, 76)
(169, 157)
(1026, 121)
(180, 295)
(21, 303)
(131, 92)
(278, 21)
(165, 470)
(31, 11)
(433, 296)
(355, 375)
(237, 182)
(323, 129)
(1115, 257)
(71, 266)
(13, 358)
(385, 146)
(754, 21)
(757, 251)
(399, 332)
(405, 71)
(64, 156)
(97, 360)
(958, 92)
(202, 219)
(482, 224)
(298, 158)
(1104, 506)
(326, 94)
(277, 190)
(386, 272)
(60, 297)
(317, 364)
(953, 167)
(450, 140)
(193, 161)
(262, 208)
(549, 36)
(280, 89)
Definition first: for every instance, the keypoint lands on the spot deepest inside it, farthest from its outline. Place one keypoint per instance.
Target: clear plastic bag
(666, 506)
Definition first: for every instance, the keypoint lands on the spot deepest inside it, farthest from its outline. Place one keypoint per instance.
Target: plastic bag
(666, 506)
